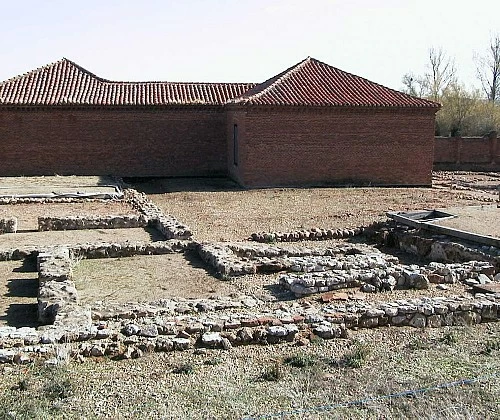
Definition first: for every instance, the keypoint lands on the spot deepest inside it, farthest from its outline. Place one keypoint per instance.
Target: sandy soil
(483, 220)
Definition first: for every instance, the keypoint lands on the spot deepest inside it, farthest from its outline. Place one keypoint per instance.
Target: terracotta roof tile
(313, 83)
(66, 83)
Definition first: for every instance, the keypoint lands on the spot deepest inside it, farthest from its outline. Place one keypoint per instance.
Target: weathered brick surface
(319, 146)
(124, 142)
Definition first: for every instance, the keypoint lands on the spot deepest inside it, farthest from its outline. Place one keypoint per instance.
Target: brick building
(313, 124)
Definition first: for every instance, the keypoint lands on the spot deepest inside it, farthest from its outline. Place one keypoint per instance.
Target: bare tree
(442, 73)
(413, 85)
(488, 69)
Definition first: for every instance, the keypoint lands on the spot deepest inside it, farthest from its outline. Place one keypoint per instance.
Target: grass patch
(449, 338)
(184, 369)
(357, 356)
(213, 361)
(38, 393)
(273, 373)
(491, 346)
(300, 360)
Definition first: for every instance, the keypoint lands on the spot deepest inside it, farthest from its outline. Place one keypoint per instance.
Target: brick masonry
(467, 153)
(181, 141)
(299, 146)
(276, 145)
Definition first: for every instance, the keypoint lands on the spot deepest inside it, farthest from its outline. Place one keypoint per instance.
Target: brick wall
(467, 153)
(332, 146)
(162, 142)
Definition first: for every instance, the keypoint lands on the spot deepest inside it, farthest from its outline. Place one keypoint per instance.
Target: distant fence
(467, 153)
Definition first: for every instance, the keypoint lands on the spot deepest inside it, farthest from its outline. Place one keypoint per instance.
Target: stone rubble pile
(314, 234)
(377, 272)
(91, 222)
(167, 225)
(437, 248)
(160, 329)
(8, 225)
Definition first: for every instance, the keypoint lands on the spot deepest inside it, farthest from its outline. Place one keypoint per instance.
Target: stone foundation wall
(169, 326)
(314, 234)
(91, 222)
(426, 245)
(8, 225)
(167, 225)
(56, 289)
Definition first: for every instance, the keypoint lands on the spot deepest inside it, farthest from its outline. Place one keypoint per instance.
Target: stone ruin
(130, 330)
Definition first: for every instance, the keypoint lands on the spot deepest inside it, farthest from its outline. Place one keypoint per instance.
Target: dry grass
(234, 386)
(147, 278)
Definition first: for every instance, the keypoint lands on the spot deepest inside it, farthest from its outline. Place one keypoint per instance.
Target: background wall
(345, 146)
(467, 153)
(161, 142)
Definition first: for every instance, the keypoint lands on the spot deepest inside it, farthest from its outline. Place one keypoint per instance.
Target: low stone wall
(314, 234)
(222, 258)
(236, 259)
(190, 324)
(8, 225)
(91, 222)
(56, 289)
(374, 273)
(41, 200)
(102, 249)
(168, 225)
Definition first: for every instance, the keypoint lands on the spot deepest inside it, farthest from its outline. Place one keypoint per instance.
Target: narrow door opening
(235, 145)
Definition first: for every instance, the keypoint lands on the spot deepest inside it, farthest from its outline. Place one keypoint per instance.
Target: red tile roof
(66, 83)
(313, 83)
(309, 83)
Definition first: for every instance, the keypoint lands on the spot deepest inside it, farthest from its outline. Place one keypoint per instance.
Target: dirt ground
(222, 211)
(18, 291)
(149, 277)
(483, 220)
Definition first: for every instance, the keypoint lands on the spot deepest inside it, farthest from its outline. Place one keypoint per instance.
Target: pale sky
(243, 40)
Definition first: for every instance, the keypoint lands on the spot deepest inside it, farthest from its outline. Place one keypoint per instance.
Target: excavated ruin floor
(215, 211)
(56, 185)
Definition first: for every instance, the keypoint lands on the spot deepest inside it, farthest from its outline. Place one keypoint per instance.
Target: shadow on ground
(20, 315)
(165, 185)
